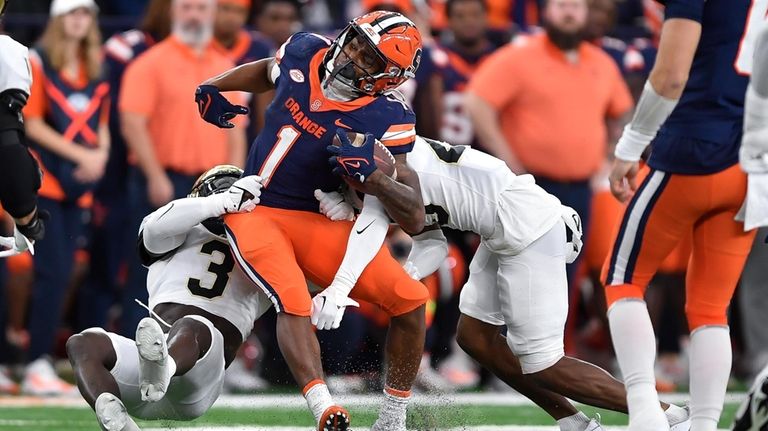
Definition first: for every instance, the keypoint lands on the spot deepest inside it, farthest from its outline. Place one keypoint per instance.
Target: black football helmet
(216, 180)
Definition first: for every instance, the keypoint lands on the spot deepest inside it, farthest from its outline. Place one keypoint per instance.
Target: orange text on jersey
(302, 120)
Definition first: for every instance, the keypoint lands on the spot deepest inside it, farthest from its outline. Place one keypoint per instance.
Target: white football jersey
(15, 72)
(203, 273)
(466, 189)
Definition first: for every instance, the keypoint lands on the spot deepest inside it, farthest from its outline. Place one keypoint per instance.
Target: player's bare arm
(252, 77)
(136, 134)
(679, 40)
(401, 197)
(256, 77)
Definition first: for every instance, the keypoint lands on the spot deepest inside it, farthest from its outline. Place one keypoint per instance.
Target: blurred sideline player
(753, 413)
(457, 60)
(19, 173)
(517, 278)
(241, 46)
(194, 288)
(321, 87)
(691, 110)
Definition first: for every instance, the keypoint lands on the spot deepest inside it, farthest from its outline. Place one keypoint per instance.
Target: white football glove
(329, 305)
(333, 206)
(16, 244)
(242, 196)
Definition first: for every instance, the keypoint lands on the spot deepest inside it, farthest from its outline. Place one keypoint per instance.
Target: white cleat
(154, 374)
(112, 414)
(682, 423)
(594, 424)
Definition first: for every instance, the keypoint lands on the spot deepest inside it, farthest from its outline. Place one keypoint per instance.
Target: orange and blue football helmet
(396, 42)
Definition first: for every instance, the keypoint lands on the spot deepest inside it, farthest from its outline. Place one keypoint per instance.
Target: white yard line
(474, 428)
(484, 399)
(297, 401)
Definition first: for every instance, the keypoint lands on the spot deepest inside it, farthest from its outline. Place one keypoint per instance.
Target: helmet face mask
(3, 6)
(393, 39)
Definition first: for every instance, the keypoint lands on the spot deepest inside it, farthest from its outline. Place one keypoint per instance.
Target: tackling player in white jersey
(198, 292)
(517, 277)
(19, 173)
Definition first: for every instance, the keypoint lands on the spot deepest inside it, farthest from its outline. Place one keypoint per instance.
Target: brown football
(385, 161)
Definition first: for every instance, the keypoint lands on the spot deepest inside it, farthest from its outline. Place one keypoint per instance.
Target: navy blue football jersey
(290, 152)
(703, 134)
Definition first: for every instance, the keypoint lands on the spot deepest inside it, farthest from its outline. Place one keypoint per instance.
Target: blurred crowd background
(112, 120)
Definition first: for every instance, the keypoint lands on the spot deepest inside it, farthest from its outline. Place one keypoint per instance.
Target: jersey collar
(317, 100)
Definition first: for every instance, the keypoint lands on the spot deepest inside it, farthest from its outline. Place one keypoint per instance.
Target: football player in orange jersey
(322, 87)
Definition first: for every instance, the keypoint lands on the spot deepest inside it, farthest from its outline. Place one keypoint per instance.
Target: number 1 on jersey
(286, 137)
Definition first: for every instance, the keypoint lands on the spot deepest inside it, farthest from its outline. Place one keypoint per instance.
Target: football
(385, 161)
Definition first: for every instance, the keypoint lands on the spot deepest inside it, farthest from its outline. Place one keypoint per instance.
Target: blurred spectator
(541, 105)
(277, 20)
(504, 16)
(66, 119)
(465, 47)
(111, 210)
(170, 147)
(237, 43)
(241, 46)
(635, 57)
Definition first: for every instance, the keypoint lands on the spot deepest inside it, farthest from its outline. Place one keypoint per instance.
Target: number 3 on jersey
(756, 21)
(221, 270)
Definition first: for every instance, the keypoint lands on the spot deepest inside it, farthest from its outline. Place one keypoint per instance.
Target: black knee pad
(19, 175)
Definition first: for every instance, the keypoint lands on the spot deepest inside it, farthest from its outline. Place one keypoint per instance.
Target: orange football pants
(280, 249)
(606, 216)
(666, 208)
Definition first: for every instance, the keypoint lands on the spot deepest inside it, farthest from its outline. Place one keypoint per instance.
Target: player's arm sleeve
(495, 81)
(365, 240)
(428, 252)
(662, 91)
(165, 229)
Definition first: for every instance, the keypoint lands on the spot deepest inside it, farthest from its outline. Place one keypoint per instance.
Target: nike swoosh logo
(355, 165)
(204, 106)
(360, 232)
(340, 124)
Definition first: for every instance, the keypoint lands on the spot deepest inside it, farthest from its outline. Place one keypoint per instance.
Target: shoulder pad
(302, 45)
